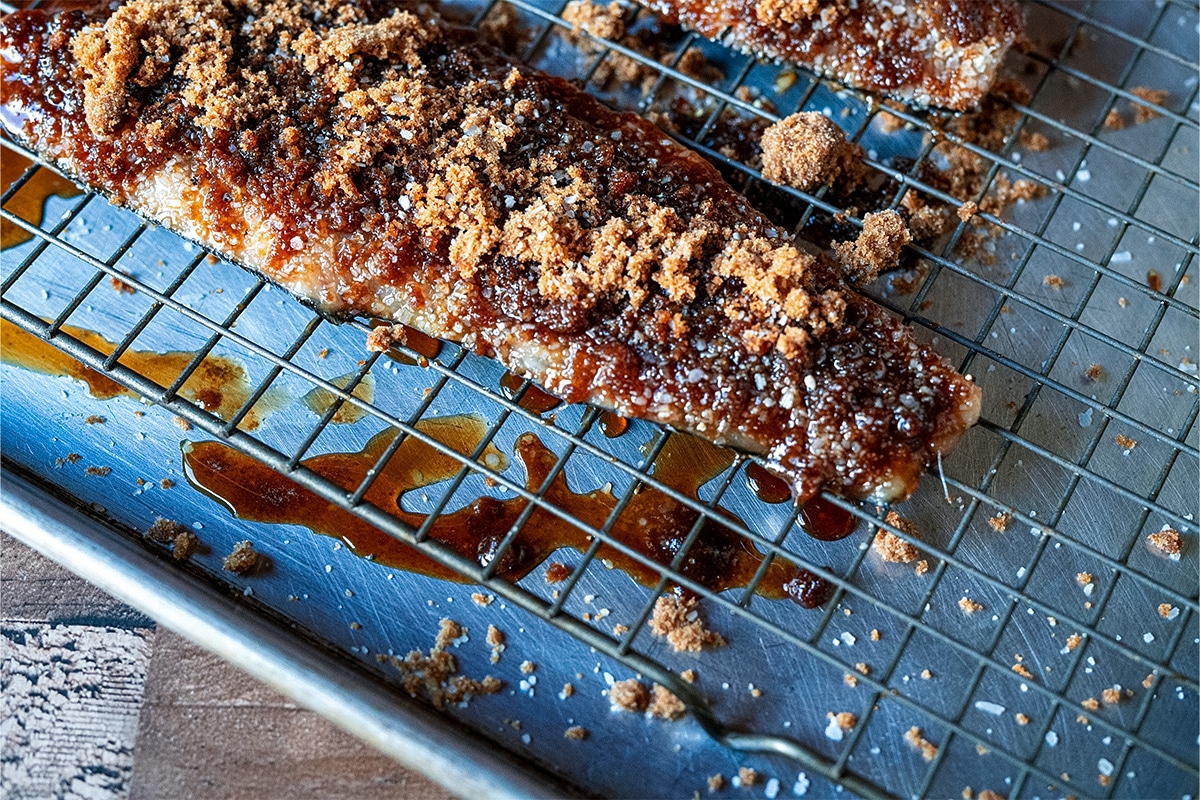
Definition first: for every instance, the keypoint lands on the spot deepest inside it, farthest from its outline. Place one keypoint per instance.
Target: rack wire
(1038, 374)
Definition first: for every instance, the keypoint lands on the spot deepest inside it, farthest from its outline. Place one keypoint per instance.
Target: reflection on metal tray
(1047, 487)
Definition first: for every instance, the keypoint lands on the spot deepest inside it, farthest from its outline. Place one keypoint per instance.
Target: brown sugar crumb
(980, 749)
(988, 794)
(1082, 719)
(875, 635)
(604, 22)
(435, 676)
(1165, 609)
(850, 680)
(495, 639)
(182, 423)
(1111, 696)
(1022, 670)
(967, 210)
(1083, 578)
(481, 599)
(243, 560)
(620, 628)
(688, 675)
(1091, 704)
(1141, 113)
(1148, 681)
(98, 472)
(1154, 281)
(862, 668)
(356, 626)
(1113, 120)
(808, 150)
(967, 794)
(184, 545)
(528, 667)
(95, 419)
(166, 483)
(747, 776)
(576, 732)
(382, 337)
(164, 530)
(69, 458)
(922, 567)
(892, 548)
(1053, 281)
(629, 695)
(1022, 719)
(665, 705)
(1125, 443)
(323, 353)
(1000, 522)
(680, 621)
(716, 782)
(1037, 142)
(877, 247)
(755, 691)
(568, 690)
(1094, 372)
(1073, 641)
(968, 605)
(1169, 541)
(557, 573)
(926, 675)
(121, 287)
(918, 742)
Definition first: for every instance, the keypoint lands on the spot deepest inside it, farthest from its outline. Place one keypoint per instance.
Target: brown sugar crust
(396, 167)
(877, 247)
(941, 53)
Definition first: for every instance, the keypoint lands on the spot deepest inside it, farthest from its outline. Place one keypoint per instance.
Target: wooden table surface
(97, 702)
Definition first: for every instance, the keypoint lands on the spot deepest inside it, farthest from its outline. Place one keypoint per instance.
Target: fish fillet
(941, 53)
(380, 161)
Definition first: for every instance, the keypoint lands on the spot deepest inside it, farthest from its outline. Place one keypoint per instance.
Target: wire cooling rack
(1078, 348)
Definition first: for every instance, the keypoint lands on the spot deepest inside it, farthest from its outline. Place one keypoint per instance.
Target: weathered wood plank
(209, 731)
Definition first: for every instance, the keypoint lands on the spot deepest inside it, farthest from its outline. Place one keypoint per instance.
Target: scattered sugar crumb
(716, 782)
(184, 545)
(1165, 609)
(1022, 670)
(969, 606)
(665, 705)
(435, 675)
(1022, 719)
(1094, 372)
(926, 675)
(808, 150)
(528, 667)
(1111, 696)
(688, 675)
(481, 599)
(680, 621)
(1113, 121)
(98, 472)
(1073, 641)
(877, 247)
(920, 743)
(1125, 442)
(629, 695)
(1053, 281)
(1091, 704)
(166, 483)
(1000, 522)
(747, 776)
(875, 635)
(495, 639)
(850, 680)
(1084, 578)
(382, 337)
(95, 419)
(892, 548)
(862, 668)
(922, 567)
(1141, 113)
(1036, 142)
(1169, 541)
(967, 210)
(243, 560)
(164, 530)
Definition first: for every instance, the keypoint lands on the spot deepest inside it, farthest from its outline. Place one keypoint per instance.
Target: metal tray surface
(1119, 204)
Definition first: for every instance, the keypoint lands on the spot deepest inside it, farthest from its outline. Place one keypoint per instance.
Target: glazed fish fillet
(941, 53)
(379, 161)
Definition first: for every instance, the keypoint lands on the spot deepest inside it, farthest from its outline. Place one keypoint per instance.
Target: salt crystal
(833, 730)
(1105, 766)
(989, 708)
(1051, 739)
(1121, 257)
(800, 788)
(771, 790)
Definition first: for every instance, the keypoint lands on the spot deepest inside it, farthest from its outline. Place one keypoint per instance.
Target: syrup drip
(766, 486)
(218, 385)
(320, 400)
(613, 424)
(534, 400)
(823, 520)
(29, 203)
(652, 524)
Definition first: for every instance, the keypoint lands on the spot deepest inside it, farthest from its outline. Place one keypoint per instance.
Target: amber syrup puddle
(535, 400)
(29, 203)
(219, 385)
(652, 523)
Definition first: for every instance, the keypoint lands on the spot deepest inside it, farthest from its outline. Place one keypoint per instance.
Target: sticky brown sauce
(29, 202)
(425, 346)
(319, 399)
(219, 385)
(652, 524)
(534, 400)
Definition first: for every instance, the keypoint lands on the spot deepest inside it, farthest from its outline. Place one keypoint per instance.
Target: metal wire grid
(979, 500)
